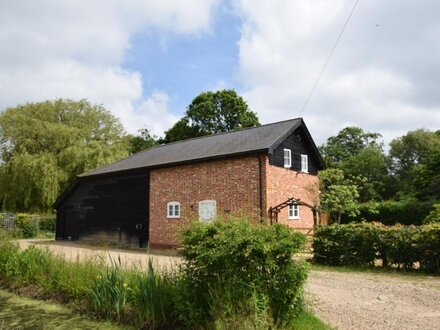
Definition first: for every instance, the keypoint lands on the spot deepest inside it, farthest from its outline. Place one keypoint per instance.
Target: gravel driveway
(351, 300)
(375, 301)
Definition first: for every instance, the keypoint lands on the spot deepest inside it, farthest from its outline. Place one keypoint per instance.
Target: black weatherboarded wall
(299, 144)
(109, 209)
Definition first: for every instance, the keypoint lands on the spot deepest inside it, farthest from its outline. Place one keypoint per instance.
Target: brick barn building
(150, 196)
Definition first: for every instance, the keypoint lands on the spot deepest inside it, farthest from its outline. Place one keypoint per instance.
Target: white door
(207, 210)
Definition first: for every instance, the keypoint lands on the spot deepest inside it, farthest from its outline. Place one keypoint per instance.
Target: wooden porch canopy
(275, 210)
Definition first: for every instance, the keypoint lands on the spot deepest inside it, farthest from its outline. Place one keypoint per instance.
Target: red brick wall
(283, 183)
(233, 184)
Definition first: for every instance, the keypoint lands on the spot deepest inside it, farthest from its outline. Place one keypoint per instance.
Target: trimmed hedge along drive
(360, 244)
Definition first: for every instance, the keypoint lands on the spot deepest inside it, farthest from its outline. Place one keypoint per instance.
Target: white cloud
(72, 49)
(153, 113)
(381, 77)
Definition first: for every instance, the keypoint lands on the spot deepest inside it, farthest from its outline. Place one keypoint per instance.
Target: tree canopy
(142, 141)
(44, 145)
(415, 162)
(210, 113)
(408, 175)
(349, 142)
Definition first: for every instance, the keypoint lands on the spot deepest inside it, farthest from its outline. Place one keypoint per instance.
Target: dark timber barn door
(111, 209)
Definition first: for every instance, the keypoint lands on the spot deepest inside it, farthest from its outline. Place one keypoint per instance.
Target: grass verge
(408, 273)
(308, 321)
(17, 312)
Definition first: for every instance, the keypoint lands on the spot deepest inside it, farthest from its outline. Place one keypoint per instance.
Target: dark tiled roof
(219, 145)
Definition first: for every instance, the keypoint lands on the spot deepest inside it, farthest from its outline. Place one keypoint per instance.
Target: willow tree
(43, 146)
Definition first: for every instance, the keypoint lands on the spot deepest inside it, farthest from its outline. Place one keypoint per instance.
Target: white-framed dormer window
(173, 210)
(304, 163)
(287, 158)
(294, 212)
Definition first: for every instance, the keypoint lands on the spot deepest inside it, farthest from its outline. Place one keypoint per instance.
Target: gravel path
(72, 251)
(375, 301)
(351, 300)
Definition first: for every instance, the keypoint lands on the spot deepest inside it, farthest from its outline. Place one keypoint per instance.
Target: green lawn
(18, 312)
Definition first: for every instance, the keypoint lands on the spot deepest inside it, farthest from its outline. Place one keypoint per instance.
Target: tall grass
(109, 292)
(52, 274)
(153, 298)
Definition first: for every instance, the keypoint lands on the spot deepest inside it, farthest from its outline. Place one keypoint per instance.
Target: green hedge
(406, 212)
(29, 225)
(47, 223)
(361, 244)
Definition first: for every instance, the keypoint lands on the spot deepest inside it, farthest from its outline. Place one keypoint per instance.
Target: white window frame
(293, 211)
(305, 163)
(175, 210)
(287, 164)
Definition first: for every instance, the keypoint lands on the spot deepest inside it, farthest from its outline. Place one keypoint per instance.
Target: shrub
(429, 247)
(433, 216)
(360, 244)
(229, 262)
(406, 212)
(47, 223)
(351, 244)
(26, 226)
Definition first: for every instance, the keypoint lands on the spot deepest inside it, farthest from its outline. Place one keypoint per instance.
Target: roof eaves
(189, 161)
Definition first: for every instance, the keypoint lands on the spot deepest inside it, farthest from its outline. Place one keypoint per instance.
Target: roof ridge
(217, 134)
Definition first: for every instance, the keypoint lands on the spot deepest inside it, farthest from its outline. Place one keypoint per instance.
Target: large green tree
(360, 156)
(414, 160)
(349, 142)
(44, 145)
(210, 113)
(370, 167)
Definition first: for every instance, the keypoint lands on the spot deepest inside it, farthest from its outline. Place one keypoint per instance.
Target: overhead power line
(328, 58)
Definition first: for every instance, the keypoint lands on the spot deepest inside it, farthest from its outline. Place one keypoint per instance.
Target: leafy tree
(415, 163)
(338, 195)
(360, 155)
(44, 145)
(429, 176)
(142, 142)
(412, 149)
(210, 113)
(369, 168)
(349, 142)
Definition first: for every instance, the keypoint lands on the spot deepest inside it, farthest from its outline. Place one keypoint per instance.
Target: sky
(145, 60)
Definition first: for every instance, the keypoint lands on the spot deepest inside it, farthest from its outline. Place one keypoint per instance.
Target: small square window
(173, 210)
(304, 163)
(287, 158)
(294, 212)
